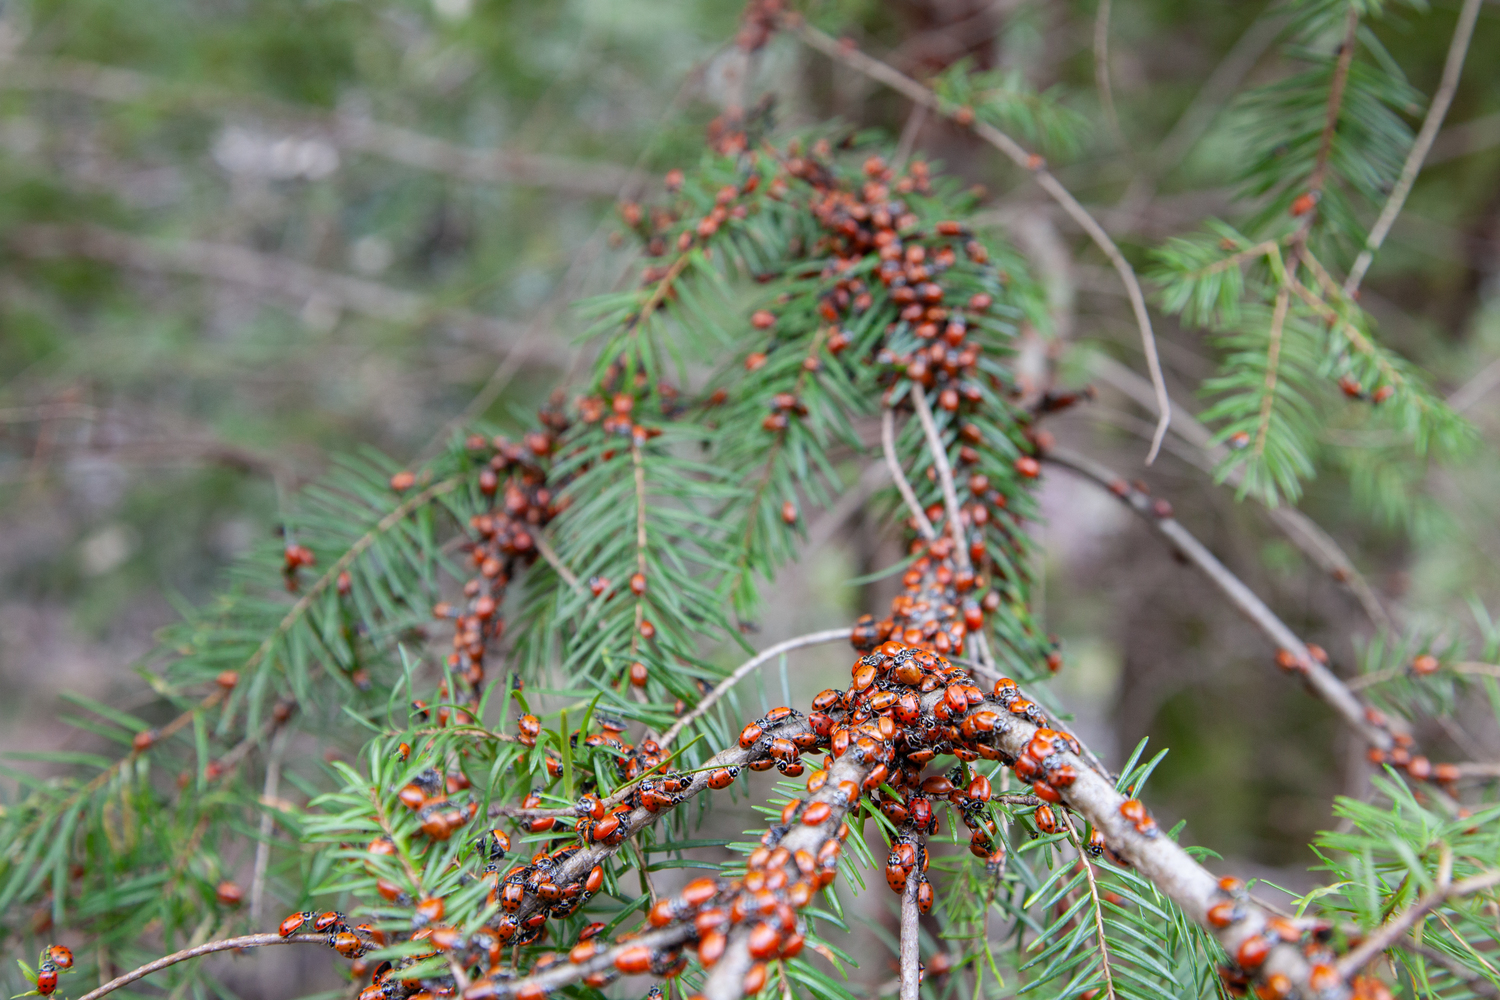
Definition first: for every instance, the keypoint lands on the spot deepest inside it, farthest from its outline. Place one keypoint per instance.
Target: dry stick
(1037, 167)
(1398, 925)
(1323, 681)
(744, 670)
(1300, 529)
(888, 442)
(911, 936)
(1458, 49)
(228, 944)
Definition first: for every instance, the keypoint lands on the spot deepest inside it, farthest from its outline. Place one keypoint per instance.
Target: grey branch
(1324, 683)
(228, 944)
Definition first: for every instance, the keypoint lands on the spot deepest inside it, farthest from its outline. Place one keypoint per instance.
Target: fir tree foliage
(1298, 353)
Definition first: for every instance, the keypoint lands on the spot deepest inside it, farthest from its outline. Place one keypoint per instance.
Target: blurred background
(240, 238)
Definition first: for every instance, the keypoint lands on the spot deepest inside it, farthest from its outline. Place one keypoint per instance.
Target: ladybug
(295, 922)
(60, 956)
(46, 979)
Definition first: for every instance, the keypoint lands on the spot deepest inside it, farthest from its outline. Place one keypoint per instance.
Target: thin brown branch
(1037, 167)
(1453, 67)
(1335, 108)
(744, 670)
(228, 944)
(1395, 928)
(944, 475)
(363, 542)
(888, 443)
(1323, 682)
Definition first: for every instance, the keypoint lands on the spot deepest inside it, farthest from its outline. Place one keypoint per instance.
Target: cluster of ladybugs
(1312, 936)
(929, 341)
(349, 941)
(514, 477)
(54, 960)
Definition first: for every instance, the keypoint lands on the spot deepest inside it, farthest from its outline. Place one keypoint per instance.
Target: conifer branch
(744, 670)
(1096, 905)
(1319, 174)
(1395, 928)
(1458, 50)
(208, 948)
(402, 511)
(1037, 167)
(549, 554)
(888, 443)
(1273, 355)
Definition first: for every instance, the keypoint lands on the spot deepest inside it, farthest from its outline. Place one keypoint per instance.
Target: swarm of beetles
(906, 706)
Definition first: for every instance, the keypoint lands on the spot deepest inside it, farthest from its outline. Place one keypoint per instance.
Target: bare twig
(746, 668)
(1396, 928)
(888, 443)
(1324, 683)
(911, 936)
(1458, 49)
(228, 944)
(944, 474)
(1037, 167)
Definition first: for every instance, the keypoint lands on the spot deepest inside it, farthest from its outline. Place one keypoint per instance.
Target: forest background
(239, 239)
